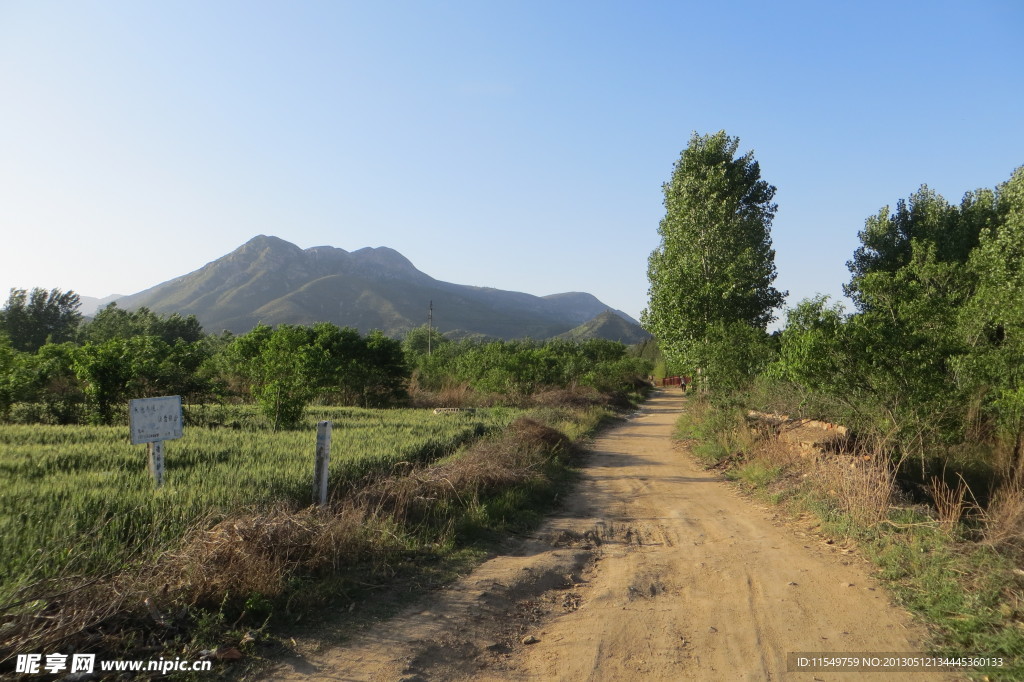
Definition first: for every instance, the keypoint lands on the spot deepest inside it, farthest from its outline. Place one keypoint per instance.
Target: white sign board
(155, 419)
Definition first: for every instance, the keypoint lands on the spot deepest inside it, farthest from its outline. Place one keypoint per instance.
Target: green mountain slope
(273, 281)
(610, 326)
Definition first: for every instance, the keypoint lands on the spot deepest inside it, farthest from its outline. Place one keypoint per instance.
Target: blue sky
(519, 145)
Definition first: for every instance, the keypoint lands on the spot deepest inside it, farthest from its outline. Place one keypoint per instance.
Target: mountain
(90, 305)
(585, 306)
(270, 280)
(608, 325)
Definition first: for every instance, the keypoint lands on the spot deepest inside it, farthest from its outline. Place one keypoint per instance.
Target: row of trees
(56, 368)
(67, 370)
(286, 367)
(121, 355)
(30, 320)
(519, 368)
(33, 319)
(930, 357)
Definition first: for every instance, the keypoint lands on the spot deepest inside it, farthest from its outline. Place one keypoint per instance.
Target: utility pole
(430, 328)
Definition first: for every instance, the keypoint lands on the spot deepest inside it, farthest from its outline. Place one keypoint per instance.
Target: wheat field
(79, 499)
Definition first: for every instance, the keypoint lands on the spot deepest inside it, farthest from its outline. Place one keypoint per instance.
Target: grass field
(78, 500)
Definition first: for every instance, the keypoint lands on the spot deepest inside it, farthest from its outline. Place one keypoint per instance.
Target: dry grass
(575, 397)
(81, 611)
(950, 503)
(1003, 520)
(258, 553)
(779, 453)
(860, 481)
(572, 397)
(864, 485)
(517, 456)
(146, 605)
(451, 395)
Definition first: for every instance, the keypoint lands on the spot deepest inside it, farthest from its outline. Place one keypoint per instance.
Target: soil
(653, 569)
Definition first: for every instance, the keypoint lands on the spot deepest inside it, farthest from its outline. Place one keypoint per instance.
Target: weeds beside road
(953, 564)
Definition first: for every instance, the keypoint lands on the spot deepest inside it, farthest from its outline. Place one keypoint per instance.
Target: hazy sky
(519, 145)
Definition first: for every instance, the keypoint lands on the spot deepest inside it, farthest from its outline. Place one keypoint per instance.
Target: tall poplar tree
(711, 293)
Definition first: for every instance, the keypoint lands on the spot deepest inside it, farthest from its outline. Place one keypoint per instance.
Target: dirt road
(654, 569)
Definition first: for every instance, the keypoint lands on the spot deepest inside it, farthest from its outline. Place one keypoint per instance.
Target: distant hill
(607, 325)
(270, 280)
(89, 304)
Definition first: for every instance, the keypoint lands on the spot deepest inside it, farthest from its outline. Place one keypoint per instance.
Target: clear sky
(519, 145)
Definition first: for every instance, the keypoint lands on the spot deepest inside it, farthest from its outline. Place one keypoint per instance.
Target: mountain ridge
(609, 326)
(273, 281)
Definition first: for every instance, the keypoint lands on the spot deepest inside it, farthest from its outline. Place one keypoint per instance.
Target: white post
(323, 459)
(156, 461)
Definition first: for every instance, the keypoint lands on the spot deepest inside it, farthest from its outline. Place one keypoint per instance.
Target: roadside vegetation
(942, 555)
(926, 374)
(230, 552)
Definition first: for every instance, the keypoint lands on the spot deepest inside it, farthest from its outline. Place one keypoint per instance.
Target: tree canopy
(931, 358)
(113, 322)
(715, 265)
(31, 319)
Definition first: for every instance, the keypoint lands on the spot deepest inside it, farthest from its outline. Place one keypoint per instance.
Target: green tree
(385, 371)
(715, 265)
(910, 281)
(113, 322)
(239, 359)
(286, 382)
(992, 321)
(812, 353)
(15, 376)
(513, 368)
(55, 384)
(31, 319)
(105, 371)
(118, 370)
(421, 340)
(279, 365)
(924, 226)
(340, 361)
(828, 356)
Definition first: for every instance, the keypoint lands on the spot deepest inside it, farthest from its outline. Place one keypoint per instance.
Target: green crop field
(79, 500)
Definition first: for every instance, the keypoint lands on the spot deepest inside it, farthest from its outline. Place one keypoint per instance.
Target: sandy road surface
(654, 569)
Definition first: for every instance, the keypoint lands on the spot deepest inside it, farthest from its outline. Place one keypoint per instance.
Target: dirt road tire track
(654, 569)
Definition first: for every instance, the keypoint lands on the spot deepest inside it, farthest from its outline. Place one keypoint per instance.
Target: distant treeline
(57, 368)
